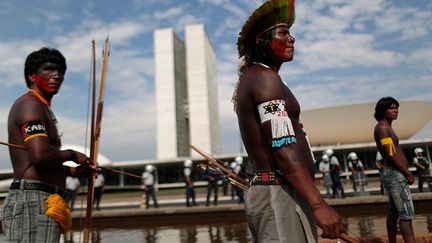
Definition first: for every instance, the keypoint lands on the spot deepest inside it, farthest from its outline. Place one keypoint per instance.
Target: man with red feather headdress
(282, 204)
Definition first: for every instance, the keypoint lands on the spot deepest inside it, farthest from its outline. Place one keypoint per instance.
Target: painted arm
(392, 153)
(34, 126)
(289, 150)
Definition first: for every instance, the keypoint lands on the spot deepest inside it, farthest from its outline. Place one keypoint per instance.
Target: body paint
(281, 125)
(33, 129)
(42, 83)
(388, 141)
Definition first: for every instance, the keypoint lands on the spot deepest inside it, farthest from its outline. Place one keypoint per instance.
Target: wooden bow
(96, 125)
(349, 239)
(232, 177)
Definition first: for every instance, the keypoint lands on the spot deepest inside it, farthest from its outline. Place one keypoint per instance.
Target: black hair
(260, 52)
(37, 58)
(382, 105)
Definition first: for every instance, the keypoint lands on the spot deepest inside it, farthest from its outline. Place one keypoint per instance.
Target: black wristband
(73, 156)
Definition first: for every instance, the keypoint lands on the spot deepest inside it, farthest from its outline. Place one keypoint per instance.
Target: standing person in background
(282, 203)
(149, 185)
(324, 168)
(396, 174)
(190, 191)
(225, 183)
(422, 165)
(335, 169)
(39, 174)
(379, 164)
(72, 186)
(358, 174)
(233, 165)
(237, 169)
(212, 186)
(99, 184)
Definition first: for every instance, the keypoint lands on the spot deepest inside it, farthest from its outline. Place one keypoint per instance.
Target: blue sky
(346, 52)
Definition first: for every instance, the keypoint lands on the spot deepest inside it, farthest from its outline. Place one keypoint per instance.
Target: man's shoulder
(25, 108)
(26, 101)
(262, 85)
(256, 75)
(382, 127)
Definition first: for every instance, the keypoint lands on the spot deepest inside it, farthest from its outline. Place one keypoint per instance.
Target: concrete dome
(355, 123)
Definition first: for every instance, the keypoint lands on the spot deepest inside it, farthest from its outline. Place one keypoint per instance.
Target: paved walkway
(177, 197)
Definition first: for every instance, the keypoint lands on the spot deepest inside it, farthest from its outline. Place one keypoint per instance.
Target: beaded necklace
(262, 64)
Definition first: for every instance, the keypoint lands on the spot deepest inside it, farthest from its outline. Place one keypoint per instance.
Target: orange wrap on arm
(388, 141)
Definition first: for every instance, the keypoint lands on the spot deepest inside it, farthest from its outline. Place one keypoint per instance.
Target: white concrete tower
(171, 95)
(202, 90)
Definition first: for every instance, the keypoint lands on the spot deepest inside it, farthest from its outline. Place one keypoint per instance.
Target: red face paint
(279, 47)
(48, 80)
(283, 44)
(42, 83)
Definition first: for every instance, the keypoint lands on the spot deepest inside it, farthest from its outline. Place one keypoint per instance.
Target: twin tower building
(187, 110)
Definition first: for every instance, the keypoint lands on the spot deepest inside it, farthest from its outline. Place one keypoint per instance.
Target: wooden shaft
(13, 145)
(209, 158)
(348, 238)
(121, 172)
(90, 191)
(95, 136)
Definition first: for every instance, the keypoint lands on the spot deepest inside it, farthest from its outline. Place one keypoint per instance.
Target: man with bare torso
(396, 175)
(282, 204)
(39, 173)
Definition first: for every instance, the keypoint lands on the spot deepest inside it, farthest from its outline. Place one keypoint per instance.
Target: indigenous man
(34, 210)
(282, 201)
(396, 176)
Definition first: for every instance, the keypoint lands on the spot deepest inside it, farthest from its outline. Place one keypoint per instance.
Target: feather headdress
(269, 15)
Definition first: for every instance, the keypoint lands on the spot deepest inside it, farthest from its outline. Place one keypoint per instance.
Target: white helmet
(325, 158)
(233, 164)
(352, 156)
(239, 160)
(329, 152)
(149, 168)
(417, 151)
(187, 163)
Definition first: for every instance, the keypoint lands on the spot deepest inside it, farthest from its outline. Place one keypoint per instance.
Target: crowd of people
(329, 167)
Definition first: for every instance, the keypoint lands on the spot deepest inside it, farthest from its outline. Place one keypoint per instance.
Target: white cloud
(421, 57)
(409, 22)
(346, 50)
(132, 77)
(12, 67)
(127, 127)
(333, 90)
(171, 13)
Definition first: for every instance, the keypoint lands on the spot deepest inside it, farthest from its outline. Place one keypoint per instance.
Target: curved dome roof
(355, 123)
(102, 160)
